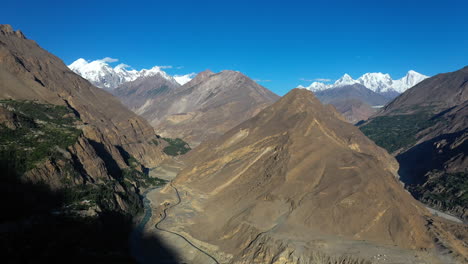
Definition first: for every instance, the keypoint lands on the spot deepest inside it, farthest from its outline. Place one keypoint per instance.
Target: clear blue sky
(280, 41)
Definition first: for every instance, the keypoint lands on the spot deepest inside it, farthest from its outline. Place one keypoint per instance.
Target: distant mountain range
(191, 107)
(376, 81)
(102, 75)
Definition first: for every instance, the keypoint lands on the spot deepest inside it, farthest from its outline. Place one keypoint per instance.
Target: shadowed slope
(71, 161)
(426, 128)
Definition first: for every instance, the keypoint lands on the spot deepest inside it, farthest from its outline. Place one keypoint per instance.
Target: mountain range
(205, 107)
(181, 107)
(377, 82)
(102, 75)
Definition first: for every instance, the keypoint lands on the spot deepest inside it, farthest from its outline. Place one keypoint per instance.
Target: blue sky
(280, 42)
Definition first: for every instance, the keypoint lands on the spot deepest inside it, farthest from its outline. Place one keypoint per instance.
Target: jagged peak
(376, 81)
(8, 30)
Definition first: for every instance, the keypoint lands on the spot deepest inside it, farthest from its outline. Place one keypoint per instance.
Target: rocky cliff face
(203, 108)
(31, 73)
(291, 181)
(67, 150)
(426, 129)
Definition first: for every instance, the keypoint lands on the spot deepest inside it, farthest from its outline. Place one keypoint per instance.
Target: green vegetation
(397, 131)
(57, 114)
(448, 190)
(31, 134)
(134, 176)
(92, 194)
(42, 132)
(176, 147)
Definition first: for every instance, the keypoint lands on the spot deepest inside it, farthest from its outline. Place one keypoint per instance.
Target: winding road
(176, 234)
(148, 215)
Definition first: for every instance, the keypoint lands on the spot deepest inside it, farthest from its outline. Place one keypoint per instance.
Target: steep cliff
(71, 155)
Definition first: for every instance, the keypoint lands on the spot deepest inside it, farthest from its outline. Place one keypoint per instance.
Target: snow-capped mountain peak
(345, 80)
(318, 86)
(183, 79)
(409, 80)
(375, 81)
(79, 63)
(102, 75)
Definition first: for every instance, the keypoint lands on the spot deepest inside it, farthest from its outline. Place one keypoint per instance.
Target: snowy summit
(376, 81)
(102, 75)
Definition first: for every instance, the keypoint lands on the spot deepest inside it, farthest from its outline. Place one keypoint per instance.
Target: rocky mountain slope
(426, 129)
(136, 94)
(68, 149)
(377, 82)
(355, 101)
(354, 110)
(295, 182)
(205, 107)
(354, 91)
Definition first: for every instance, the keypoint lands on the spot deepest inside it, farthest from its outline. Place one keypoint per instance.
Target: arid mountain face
(65, 147)
(354, 91)
(137, 93)
(354, 101)
(292, 180)
(205, 107)
(426, 129)
(354, 110)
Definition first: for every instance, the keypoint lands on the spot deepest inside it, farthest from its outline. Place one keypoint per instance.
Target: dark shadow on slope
(75, 112)
(152, 250)
(425, 157)
(125, 155)
(35, 227)
(111, 165)
(442, 113)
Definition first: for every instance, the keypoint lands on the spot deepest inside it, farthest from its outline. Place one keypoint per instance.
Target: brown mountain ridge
(205, 107)
(297, 179)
